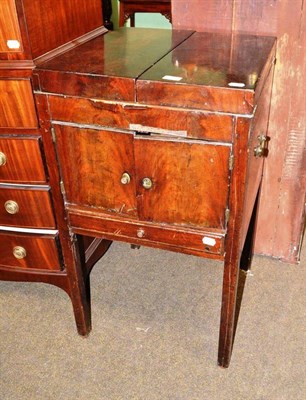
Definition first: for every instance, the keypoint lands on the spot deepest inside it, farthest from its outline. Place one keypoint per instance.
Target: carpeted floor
(155, 333)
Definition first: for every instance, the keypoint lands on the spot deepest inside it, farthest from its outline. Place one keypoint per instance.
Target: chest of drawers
(160, 139)
(34, 238)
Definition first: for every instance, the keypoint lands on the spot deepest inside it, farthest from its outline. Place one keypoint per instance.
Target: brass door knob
(125, 178)
(19, 252)
(147, 183)
(2, 159)
(11, 207)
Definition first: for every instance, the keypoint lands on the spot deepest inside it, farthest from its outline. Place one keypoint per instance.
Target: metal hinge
(227, 215)
(53, 134)
(231, 162)
(62, 188)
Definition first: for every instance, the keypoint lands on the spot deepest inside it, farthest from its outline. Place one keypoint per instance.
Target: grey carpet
(155, 333)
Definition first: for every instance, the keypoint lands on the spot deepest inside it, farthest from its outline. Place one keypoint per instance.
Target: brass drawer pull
(2, 159)
(11, 207)
(125, 178)
(19, 252)
(261, 150)
(140, 233)
(147, 183)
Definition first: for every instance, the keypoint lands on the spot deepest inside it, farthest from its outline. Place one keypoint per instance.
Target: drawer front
(188, 241)
(21, 160)
(10, 38)
(17, 104)
(26, 207)
(29, 252)
(165, 121)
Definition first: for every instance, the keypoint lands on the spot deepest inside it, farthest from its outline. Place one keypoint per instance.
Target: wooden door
(190, 181)
(97, 168)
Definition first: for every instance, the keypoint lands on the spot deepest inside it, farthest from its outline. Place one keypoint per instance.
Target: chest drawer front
(168, 121)
(17, 108)
(29, 252)
(10, 37)
(27, 208)
(97, 168)
(21, 160)
(182, 182)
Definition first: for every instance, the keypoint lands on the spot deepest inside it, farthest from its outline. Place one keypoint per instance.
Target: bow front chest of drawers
(158, 139)
(34, 237)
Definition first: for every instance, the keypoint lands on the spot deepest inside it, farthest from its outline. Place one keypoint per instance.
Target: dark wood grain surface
(193, 124)
(98, 160)
(17, 108)
(108, 65)
(190, 182)
(24, 163)
(209, 70)
(174, 238)
(62, 21)
(34, 207)
(76, 279)
(41, 252)
(9, 26)
(215, 59)
(124, 53)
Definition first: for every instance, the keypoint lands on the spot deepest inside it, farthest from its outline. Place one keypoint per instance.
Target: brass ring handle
(147, 183)
(2, 159)
(19, 252)
(125, 178)
(261, 150)
(11, 207)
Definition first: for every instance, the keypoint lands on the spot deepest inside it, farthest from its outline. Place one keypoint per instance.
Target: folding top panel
(213, 71)
(108, 66)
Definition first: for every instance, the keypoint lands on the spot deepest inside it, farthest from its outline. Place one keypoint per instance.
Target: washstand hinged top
(155, 132)
(231, 68)
(234, 62)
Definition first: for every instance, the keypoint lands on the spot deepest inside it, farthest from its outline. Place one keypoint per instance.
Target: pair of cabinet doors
(144, 176)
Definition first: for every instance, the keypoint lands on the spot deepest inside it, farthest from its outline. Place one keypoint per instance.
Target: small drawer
(27, 251)
(26, 207)
(188, 241)
(17, 104)
(136, 117)
(21, 160)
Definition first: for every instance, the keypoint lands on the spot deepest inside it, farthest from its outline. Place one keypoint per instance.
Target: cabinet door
(97, 167)
(189, 182)
(10, 37)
